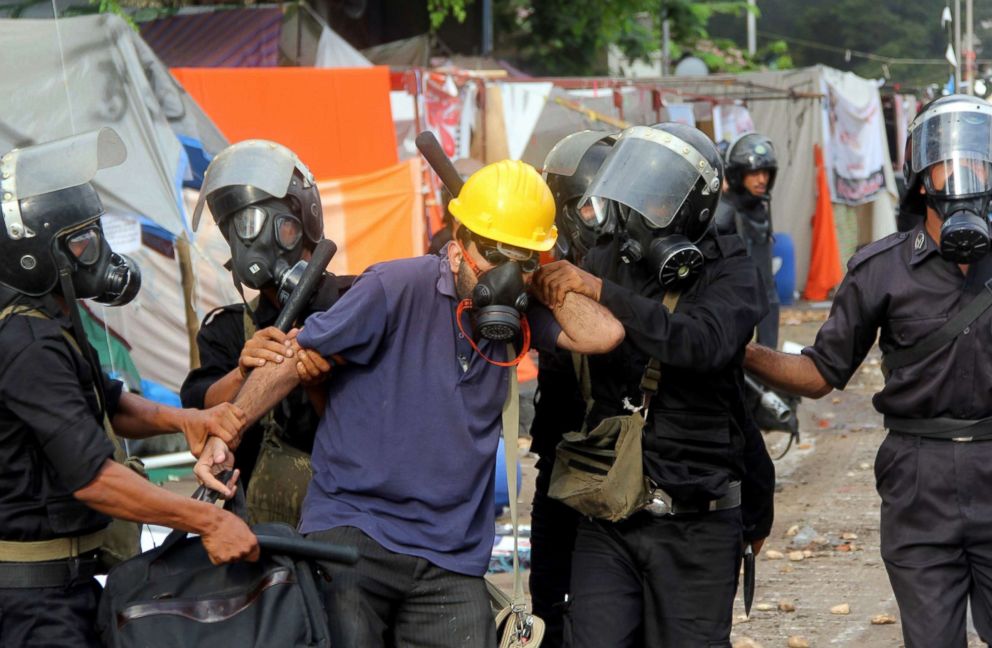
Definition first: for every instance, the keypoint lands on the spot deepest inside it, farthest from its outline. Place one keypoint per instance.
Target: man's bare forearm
(225, 389)
(140, 418)
(119, 492)
(589, 327)
(265, 387)
(795, 374)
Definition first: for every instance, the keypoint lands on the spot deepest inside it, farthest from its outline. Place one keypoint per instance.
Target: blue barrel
(784, 257)
(502, 491)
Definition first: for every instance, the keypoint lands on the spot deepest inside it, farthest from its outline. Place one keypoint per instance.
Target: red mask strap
(471, 263)
(466, 304)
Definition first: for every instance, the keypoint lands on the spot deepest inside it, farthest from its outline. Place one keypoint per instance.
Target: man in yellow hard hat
(404, 455)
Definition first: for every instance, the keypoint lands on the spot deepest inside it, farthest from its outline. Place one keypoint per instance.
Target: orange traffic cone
(824, 259)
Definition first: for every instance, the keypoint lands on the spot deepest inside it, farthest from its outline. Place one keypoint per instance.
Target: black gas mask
(499, 301)
(97, 272)
(674, 258)
(266, 247)
(964, 233)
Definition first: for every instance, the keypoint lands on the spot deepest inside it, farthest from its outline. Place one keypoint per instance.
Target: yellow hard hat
(510, 203)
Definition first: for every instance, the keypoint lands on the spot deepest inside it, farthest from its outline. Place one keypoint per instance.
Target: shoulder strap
(511, 427)
(652, 371)
(120, 455)
(942, 336)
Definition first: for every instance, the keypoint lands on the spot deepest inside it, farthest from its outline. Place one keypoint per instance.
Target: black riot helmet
(568, 171)
(51, 221)
(749, 152)
(252, 171)
(949, 157)
(267, 206)
(667, 181)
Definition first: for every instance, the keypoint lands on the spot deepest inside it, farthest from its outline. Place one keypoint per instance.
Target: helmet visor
(652, 172)
(949, 135)
(60, 164)
(566, 155)
(261, 164)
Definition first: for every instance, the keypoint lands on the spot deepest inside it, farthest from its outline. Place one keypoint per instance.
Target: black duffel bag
(174, 596)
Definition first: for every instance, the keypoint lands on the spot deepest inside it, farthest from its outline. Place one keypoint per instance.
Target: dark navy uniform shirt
(406, 448)
(52, 440)
(220, 341)
(898, 290)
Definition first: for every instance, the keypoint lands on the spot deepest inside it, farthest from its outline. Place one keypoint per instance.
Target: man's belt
(49, 550)
(943, 428)
(31, 575)
(663, 504)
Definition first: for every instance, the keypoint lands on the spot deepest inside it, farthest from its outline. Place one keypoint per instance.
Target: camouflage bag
(280, 479)
(282, 473)
(600, 472)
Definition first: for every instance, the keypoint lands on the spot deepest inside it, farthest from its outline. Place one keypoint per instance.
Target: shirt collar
(446, 278)
(923, 246)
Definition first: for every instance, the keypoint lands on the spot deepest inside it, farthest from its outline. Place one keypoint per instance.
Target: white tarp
(59, 78)
(334, 51)
(730, 122)
(856, 148)
(523, 104)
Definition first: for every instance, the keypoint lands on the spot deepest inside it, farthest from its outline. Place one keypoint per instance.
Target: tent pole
(188, 286)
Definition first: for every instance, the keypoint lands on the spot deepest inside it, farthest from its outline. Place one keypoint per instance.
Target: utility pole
(487, 27)
(957, 45)
(666, 37)
(969, 46)
(752, 27)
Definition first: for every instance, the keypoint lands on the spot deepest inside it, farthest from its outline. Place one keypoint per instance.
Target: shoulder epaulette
(230, 308)
(875, 248)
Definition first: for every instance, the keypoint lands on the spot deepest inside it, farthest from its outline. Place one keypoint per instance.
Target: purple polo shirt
(406, 448)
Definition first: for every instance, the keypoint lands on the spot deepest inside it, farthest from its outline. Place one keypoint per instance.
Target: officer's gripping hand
(311, 367)
(229, 539)
(215, 459)
(268, 345)
(555, 280)
(224, 421)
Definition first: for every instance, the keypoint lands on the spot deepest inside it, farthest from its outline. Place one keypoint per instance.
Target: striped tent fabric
(228, 38)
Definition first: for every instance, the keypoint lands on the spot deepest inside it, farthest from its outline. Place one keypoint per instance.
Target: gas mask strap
(466, 304)
(79, 333)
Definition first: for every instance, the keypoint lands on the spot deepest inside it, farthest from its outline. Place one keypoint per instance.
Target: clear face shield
(653, 173)
(952, 151)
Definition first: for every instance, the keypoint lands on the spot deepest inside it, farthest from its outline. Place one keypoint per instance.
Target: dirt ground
(827, 510)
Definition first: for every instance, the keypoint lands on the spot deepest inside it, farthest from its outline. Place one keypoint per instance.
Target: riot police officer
(265, 202)
(559, 406)
(927, 292)
(60, 415)
(751, 167)
(667, 576)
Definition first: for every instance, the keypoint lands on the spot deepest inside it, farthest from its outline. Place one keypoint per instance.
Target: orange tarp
(374, 217)
(337, 120)
(825, 271)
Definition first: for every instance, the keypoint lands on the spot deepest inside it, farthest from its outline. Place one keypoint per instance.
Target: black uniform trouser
(552, 536)
(50, 616)
(655, 582)
(389, 599)
(936, 535)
